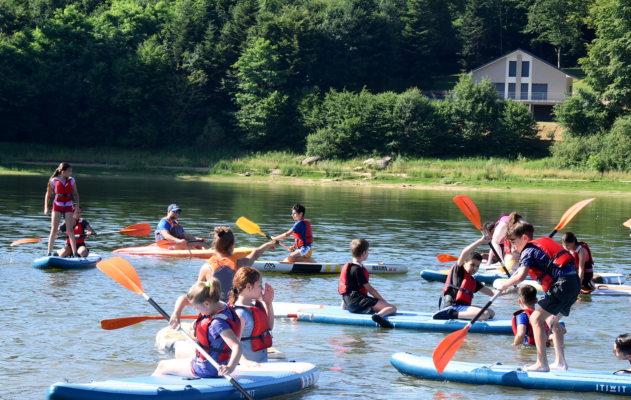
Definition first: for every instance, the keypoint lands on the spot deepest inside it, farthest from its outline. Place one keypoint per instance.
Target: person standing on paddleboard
(64, 189)
(170, 229)
(81, 228)
(302, 248)
(545, 261)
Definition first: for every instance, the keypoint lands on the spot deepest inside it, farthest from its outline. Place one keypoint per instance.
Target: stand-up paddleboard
(168, 340)
(154, 250)
(489, 277)
(325, 268)
(573, 380)
(400, 320)
(601, 290)
(67, 263)
(263, 382)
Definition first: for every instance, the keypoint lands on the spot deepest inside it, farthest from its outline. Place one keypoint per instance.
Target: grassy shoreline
(283, 167)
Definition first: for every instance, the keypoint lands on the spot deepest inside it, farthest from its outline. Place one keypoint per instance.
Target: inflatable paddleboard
(573, 380)
(154, 250)
(263, 382)
(168, 340)
(489, 276)
(67, 263)
(325, 268)
(400, 320)
(601, 290)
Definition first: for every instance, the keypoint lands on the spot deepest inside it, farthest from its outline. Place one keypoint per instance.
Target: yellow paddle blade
(122, 272)
(446, 258)
(22, 241)
(249, 226)
(626, 223)
(446, 349)
(571, 212)
(469, 209)
(143, 229)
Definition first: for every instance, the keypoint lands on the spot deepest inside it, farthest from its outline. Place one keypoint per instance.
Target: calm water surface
(51, 320)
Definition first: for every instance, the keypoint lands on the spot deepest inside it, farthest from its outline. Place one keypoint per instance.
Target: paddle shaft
(500, 260)
(278, 241)
(198, 348)
(486, 306)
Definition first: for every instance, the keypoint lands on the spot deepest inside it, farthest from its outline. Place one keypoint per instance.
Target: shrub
(584, 114)
(616, 146)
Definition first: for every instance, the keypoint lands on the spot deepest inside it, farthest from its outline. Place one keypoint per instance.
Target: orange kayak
(154, 250)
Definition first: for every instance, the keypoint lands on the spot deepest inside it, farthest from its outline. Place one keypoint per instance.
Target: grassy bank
(478, 173)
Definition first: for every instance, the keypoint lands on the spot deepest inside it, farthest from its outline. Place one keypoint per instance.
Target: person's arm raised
(469, 249)
(248, 260)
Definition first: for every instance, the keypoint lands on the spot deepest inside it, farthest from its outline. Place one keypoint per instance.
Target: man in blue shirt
(171, 230)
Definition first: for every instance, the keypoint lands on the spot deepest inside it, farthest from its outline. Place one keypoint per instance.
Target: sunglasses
(177, 211)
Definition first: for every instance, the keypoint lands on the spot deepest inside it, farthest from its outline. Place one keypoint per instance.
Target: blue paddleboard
(67, 263)
(264, 382)
(573, 380)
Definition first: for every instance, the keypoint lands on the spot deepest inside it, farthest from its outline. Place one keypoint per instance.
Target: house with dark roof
(526, 78)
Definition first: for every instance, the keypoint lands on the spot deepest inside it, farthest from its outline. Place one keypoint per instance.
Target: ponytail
(62, 167)
(513, 218)
(240, 281)
(223, 239)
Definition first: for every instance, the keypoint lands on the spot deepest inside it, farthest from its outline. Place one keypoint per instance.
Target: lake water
(51, 320)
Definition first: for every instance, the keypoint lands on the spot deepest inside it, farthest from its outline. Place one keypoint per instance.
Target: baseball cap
(173, 207)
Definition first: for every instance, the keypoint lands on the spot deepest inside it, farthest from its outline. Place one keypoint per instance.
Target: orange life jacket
(465, 289)
(308, 239)
(558, 256)
(261, 336)
(529, 332)
(589, 262)
(202, 324)
(224, 270)
(78, 230)
(342, 287)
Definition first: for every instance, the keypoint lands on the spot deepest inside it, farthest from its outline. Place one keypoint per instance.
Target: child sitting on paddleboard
(217, 330)
(461, 286)
(521, 319)
(354, 287)
(258, 317)
(302, 248)
(622, 348)
(81, 229)
(545, 261)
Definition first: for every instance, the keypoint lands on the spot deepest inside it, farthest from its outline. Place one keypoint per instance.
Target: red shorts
(60, 209)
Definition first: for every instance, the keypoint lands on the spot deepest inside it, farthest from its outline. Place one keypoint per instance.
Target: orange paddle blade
(469, 209)
(627, 224)
(444, 352)
(117, 323)
(446, 258)
(22, 241)
(571, 212)
(122, 272)
(143, 229)
(164, 244)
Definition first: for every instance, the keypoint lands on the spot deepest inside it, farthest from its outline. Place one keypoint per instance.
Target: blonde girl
(64, 189)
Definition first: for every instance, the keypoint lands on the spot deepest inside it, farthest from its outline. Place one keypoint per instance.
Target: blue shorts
(459, 308)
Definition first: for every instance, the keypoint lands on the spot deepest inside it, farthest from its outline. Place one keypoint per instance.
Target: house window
(512, 68)
(524, 92)
(525, 69)
(539, 91)
(511, 91)
(500, 87)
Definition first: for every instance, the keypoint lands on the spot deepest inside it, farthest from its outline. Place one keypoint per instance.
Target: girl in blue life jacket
(258, 316)
(217, 331)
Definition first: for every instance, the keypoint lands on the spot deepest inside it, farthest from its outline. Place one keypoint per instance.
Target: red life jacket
(261, 336)
(529, 332)
(558, 256)
(342, 287)
(589, 263)
(465, 289)
(63, 191)
(78, 230)
(201, 332)
(308, 239)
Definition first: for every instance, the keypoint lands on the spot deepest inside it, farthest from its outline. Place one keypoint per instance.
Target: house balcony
(535, 97)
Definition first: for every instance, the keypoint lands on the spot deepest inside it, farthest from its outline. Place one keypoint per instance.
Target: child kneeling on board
(461, 286)
(521, 319)
(217, 330)
(354, 287)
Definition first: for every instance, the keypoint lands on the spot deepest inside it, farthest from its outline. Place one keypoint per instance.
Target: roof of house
(531, 55)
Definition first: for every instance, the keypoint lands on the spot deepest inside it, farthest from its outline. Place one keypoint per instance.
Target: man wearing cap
(171, 230)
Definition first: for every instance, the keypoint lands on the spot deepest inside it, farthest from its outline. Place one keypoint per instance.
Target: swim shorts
(358, 303)
(562, 295)
(305, 251)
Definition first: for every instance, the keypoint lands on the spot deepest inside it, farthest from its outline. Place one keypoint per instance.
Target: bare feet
(536, 367)
(558, 366)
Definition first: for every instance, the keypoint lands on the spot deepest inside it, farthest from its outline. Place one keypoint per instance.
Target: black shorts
(358, 303)
(562, 295)
(587, 280)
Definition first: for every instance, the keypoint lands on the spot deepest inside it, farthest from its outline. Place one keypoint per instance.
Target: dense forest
(331, 77)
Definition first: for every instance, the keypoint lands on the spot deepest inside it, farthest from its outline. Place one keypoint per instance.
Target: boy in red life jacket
(301, 250)
(521, 319)
(545, 261)
(354, 287)
(622, 348)
(461, 285)
(81, 227)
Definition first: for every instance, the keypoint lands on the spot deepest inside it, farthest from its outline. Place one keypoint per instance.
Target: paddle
(143, 229)
(118, 323)
(471, 211)
(253, 229)
(447, 258)
(627, 223)
(444, 352)
(122, 272)
(569, 214)
(165, 244)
